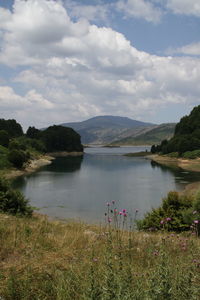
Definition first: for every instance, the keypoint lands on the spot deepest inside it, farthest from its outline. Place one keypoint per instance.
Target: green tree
(4, 138)
(17, 158)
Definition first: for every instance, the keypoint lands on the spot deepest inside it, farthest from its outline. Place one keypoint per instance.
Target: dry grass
(41, 259)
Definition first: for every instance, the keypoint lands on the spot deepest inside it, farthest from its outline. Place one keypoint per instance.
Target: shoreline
(35, 164)
(30, 167)
(185, 164)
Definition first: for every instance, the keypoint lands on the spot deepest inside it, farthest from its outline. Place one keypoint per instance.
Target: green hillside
(186, 136)
(151, 136)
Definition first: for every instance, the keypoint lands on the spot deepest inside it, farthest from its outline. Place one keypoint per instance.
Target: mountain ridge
(108, 129)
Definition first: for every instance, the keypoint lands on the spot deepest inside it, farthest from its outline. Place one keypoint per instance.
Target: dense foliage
(13, 128)
(177, 213)
(12, 201)
(186, 136)
(59, 138)
(17, 148)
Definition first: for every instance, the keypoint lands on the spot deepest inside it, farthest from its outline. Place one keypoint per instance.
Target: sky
(68, 61)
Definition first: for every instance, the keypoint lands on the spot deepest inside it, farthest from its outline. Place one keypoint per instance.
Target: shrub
(191, 154)
(171, 215)
(17, 158)
(12, 201)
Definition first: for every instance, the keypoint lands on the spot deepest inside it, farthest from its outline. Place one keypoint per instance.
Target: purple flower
(168, 219)
(124, 210)
(196, 221)
(162, 222)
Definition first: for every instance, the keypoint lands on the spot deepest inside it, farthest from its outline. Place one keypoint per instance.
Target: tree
(59, 138)
(17, 158)
(33, 133)
(4, 138)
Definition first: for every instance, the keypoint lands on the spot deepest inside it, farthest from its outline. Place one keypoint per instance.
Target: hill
(107, 129)
(186, 136)
(149, 136)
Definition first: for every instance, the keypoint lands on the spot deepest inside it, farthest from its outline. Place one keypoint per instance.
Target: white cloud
(190, 49)
(141, 9)
(98, 12)
(82, 70)
(186, 7)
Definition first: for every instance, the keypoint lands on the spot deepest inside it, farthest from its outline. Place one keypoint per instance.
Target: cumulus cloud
(141, 9)
(98, 12)
(186, 7)
(72, 70)
(190, 49)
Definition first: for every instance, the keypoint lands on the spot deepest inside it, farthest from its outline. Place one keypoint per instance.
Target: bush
(12, 201)
(171, 215)
(191, 154)
(17, 158)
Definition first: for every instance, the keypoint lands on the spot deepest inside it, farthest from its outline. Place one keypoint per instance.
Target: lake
(79, 188)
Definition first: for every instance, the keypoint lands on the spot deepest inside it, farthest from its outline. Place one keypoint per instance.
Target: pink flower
(162, 222)
(120, 213)
(109, 220)
(196, 221)
(95, 259)
(124, 214)
(168, 219)
(124, 210)
(115, 210)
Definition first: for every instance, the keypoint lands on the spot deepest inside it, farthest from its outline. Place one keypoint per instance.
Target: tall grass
(52, 260)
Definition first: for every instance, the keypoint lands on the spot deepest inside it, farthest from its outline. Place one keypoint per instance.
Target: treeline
(17, 147)
(186, 138)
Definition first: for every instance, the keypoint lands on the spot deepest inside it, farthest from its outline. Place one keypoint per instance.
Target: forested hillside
(16, 148)
(186, 137)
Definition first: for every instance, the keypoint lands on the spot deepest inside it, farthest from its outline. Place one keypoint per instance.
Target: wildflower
(124, 214)
(168, 219)
(196, 221)
(162, 222)
(95, 259)
(109, 220)
(121, 213)
(124, 210)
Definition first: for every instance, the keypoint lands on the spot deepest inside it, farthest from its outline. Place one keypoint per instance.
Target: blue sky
(63, 61)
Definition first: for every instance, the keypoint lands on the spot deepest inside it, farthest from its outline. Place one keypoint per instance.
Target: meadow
(42, 259)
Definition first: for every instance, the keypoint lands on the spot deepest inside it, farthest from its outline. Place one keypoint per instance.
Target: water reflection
(75, 187)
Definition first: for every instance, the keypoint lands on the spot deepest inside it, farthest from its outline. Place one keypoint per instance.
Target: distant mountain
(149, 136)
(107, 129)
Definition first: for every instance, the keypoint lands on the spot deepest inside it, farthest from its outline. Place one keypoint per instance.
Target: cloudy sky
(63, 61)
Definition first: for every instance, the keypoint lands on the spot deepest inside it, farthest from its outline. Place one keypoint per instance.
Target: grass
(53, 260)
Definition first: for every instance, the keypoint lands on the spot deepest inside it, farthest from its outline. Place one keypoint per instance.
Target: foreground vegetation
(45, 260)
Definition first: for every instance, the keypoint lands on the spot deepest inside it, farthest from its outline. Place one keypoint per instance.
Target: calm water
(80, 187)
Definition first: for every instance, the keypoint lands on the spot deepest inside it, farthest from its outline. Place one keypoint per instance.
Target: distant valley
(116, 130)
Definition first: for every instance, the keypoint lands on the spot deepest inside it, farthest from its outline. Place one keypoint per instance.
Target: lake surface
(79, 188)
